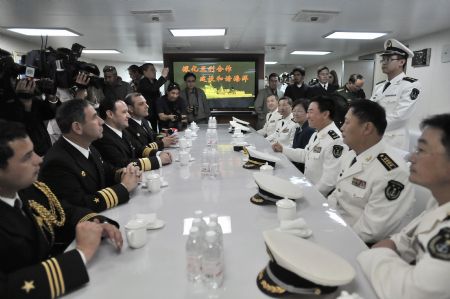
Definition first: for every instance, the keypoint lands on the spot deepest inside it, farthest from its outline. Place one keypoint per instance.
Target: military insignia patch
(393, 190)
(28, 286)
(337, 151)
(387, 162)
(359, 183)
(439, 245)
(83, 173)
(333, 134)
(317, 149)
(414, 94)
(388, 44)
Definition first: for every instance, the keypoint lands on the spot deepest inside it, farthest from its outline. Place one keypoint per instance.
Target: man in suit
(116, 147)
(33, 219)
(298, 89)
(322, 87)
(140, 132)
(74, 169)
(260, 101)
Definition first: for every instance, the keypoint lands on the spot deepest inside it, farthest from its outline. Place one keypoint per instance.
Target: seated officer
(140, 133)
(32, 221)
(116, 147)
(285, 126)
(415, 263)
(372, 191)
(272, 116)
(324, 149)
(74, 169)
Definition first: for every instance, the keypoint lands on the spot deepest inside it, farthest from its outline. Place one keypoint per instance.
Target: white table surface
(158, 270)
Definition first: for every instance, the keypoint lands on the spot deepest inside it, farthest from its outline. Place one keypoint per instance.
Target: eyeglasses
(387, 59)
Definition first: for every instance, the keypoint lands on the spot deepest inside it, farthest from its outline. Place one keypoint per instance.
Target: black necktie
(353, 162)
(270, 115)
(386, 85)
(298, 130)
(18, 206)
(282, 123)
(315, 137)
(325, 86)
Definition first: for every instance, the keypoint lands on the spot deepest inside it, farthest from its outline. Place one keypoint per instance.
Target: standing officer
(325, 147)
(372, 190)
(398, 95)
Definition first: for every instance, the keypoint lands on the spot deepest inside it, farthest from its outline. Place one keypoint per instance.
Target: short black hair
(189, 74)
(325, 104)
(299, 69)
(353, 77)
(107, 104)
(129, 98)
(369, 111)
(286, 98)
(321, 68)
(9, 131)
(440, 122)
(70, 112)
(303, 102)
(135, 68)
(273, 75)
(172, 86)
(145, 66)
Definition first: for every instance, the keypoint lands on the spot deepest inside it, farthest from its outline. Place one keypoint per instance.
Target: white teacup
(149, 218)
(286, 209)
(154, 183)
(184, 157)
(136, 232)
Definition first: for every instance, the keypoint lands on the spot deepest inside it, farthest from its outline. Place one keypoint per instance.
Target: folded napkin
(297, 227)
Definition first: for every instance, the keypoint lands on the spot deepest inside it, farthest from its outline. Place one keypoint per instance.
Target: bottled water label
(213, 272)
(194, 267)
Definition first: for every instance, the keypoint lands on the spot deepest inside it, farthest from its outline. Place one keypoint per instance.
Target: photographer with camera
(195, 99)
(171, 109)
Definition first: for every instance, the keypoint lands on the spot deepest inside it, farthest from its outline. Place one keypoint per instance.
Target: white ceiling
(251, 25)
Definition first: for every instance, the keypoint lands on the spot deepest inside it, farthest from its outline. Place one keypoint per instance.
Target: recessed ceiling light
(310, 52)
(270, 62)
(354, 35)
(198, 32)
(154, 61)
(100, 51)
(45, 31)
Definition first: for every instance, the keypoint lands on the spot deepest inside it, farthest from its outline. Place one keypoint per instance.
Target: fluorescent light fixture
(354, 35)
(270, 62)
(45, 31)
(197, 32)
(310, 52)
(100, 51)
(154, 61)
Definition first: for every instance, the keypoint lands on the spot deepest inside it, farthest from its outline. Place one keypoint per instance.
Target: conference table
(158, 270)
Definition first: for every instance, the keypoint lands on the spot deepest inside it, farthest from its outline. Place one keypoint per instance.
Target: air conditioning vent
(154, 16)
(314, 16)
(274, 47)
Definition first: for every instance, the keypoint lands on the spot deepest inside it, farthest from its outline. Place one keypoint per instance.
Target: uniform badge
(387, 162)
(359, 183)
(337, 151)
(317, 149)
(393, 190)
(333, 134)
(285, 130)
(28, 286)
(388, 43)
(439, 245)
(83, 173)
(414, 94)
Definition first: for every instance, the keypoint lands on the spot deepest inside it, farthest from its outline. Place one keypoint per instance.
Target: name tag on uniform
(390, 95)
(285, 130)
(317, 149)
(359, 183)
(272, 121)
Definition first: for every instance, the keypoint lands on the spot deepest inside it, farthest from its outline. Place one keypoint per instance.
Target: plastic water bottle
(214, 226)
(204, 167)
(213, 163)
(214, 138)
(215, 218)
(214, 123)
(210, 120)
(199, 214)
(194, 253)
(212, 261)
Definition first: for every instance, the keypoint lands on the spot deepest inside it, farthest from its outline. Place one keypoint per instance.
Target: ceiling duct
(154, 16)
(274, 47)
(314, 16)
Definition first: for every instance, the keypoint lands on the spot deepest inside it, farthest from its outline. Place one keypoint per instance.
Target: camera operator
(195, 99)
(171, 109)
(114, 87)
(32, 111)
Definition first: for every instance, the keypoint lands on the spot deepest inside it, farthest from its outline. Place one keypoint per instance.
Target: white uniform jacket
(399, 100)
(374, 195)
(321, 157)
(284, 132)
(425, 241)
(270, 124)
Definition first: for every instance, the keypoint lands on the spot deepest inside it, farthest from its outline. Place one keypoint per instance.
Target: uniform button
(340, 174)
(339, 189)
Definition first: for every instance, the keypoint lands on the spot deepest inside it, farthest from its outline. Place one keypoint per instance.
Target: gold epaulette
(109, 196)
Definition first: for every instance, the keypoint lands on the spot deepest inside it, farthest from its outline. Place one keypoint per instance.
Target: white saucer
(157, 224)
(164, 183)
(302, 233)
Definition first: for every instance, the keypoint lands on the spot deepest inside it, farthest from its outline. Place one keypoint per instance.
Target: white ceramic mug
(184, 157)
(286, 209)
(154, 183)
(136, 232)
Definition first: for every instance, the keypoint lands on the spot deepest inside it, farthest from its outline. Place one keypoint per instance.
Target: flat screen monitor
(227, 84)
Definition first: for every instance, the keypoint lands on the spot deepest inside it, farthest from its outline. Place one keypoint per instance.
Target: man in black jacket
(298, 89)
(321, 88)
(33, 219)
(75, 170)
